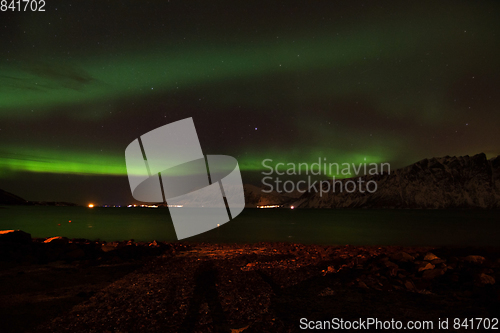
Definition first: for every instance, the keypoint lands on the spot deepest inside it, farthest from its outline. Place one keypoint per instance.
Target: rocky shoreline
(17, 247)
(265, 287)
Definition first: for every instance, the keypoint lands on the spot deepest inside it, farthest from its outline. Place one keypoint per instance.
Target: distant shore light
(269, 206)
(292, 207)
(91, 205)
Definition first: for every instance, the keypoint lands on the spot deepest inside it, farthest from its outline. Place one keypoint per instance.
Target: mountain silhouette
(436, 183)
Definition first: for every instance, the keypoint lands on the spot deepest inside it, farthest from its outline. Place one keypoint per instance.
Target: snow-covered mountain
(447, 182)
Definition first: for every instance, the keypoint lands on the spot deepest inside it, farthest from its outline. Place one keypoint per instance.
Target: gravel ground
(269, 287)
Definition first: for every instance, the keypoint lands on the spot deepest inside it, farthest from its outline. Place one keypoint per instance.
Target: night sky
(290, 81)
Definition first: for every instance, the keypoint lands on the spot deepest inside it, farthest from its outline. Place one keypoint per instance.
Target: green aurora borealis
(289, 81)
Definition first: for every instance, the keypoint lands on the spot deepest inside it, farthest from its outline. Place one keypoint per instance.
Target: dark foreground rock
(14, 236)
(269, 287)
(18, 248)
(43, 278)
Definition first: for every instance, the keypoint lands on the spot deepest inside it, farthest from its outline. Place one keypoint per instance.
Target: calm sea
(356, 227)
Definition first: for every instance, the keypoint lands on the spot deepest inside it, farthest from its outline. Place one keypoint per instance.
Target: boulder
(438, 261)
(57, 240)
(402, 257)
(430, 256)
(478, 260)
(425, 266)
(433, 273)
(109, 247)
(14, 236)
(409, 285)
(484, 279)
